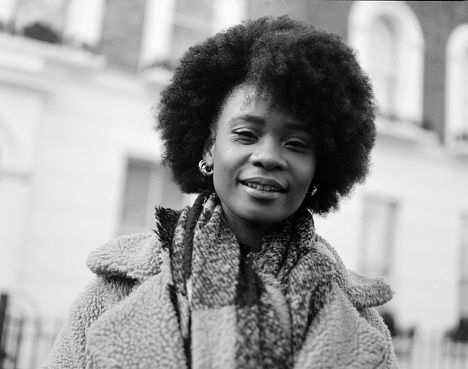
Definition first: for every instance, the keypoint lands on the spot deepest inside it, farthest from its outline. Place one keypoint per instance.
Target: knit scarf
(238, 311)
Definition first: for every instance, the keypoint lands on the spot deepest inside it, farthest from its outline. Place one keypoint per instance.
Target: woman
(269, 121)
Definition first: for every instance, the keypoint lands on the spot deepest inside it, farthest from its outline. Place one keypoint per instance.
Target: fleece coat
(129, 316)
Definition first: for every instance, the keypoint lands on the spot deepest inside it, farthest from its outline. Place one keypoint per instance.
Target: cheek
(219, 181)
(222, 170)
(226, 161)
(306, 174)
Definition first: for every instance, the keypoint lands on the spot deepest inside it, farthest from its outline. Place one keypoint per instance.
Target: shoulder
(362, 291)
(136, 256)
(100, 295)
(375, 319)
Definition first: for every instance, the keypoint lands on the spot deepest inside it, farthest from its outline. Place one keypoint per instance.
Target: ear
(208, 151)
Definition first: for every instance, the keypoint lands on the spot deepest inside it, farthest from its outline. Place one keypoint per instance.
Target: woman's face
(263, 160)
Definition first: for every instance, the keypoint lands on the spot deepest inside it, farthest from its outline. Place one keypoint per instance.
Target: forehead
(247, 99)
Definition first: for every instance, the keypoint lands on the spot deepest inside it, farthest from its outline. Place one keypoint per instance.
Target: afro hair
(311, 73)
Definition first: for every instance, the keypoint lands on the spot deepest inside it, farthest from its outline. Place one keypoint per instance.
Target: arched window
(172, 26)
(390, 46)
(457, 89)
(383, 64)
(6, 10)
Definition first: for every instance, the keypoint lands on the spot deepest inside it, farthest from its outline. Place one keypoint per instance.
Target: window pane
(465, 103)
(136, 193)
(464, 266)
(147, 184)
(172, 195)
(383, 43)
(385, 89)
(192, 24)
(162, 192)
(377, 235)
(185, 37)
(49, 11)
(383, 39)
(201, 9)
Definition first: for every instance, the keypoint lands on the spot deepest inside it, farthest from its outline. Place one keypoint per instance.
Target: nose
(269, 155)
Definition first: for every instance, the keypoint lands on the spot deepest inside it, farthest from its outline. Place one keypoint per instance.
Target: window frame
(159, 178)
(456, 113)
(463, 272)
(409, 95)
(389, 72)
(382, 264)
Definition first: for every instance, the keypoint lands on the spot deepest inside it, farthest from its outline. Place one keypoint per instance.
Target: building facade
(80, 164)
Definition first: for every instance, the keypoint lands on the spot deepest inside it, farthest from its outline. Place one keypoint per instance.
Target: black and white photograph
(233, 184)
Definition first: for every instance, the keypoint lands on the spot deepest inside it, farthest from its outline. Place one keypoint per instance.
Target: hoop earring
(205, 169)
(312, 193)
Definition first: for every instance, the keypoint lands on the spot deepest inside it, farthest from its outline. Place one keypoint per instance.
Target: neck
(250, 234)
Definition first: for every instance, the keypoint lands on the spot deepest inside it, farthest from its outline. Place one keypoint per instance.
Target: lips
(263, 184)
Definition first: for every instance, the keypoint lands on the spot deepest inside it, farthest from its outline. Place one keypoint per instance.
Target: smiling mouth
(262, 187)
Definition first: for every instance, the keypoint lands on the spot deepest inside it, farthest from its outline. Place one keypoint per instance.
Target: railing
(25, 341)
(459, 142)
(430, 350)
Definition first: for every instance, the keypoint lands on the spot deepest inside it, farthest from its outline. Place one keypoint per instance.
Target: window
(465, 91)
(6, 10)
(147, 184)
(378, 231)
(84, 22)
(77, 22)
(457, 89)
(383, 64)
(53, 13)
(464, 266)
(192, 24)
(122, 32)
(172, 26)
(390, 46)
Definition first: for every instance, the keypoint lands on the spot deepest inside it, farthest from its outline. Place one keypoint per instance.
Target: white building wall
(63, 198)
(430, 187)
(67, 125)
(428, 182)
(20, 115)
(90, 127)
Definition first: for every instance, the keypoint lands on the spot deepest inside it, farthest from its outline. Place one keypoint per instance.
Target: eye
(298, 145)
(245, 135)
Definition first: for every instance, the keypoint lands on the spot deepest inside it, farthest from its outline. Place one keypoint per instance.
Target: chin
(264, 217)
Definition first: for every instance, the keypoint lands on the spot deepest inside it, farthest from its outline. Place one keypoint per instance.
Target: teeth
(261, 187)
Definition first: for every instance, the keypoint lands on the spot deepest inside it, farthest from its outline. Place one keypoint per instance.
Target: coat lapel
(141, 332)
(340, 338)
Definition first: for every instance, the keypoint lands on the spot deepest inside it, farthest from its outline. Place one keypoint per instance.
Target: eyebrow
(249, 118)
(261, 121)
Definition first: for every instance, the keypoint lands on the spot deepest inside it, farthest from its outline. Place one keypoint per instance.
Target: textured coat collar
(139, 257)
(147, 316)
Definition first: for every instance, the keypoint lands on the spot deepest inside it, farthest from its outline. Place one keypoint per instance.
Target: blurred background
(80, 163)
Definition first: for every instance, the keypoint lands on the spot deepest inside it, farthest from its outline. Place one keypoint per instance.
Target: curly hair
(311, 73)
